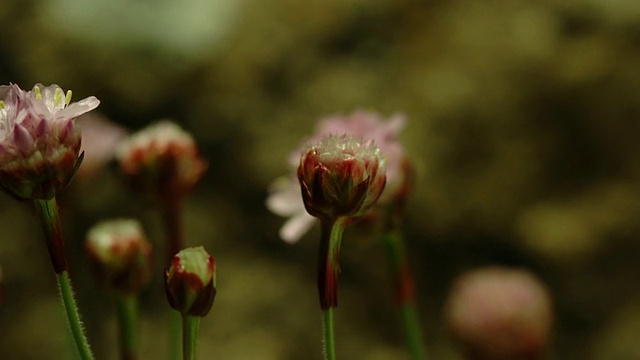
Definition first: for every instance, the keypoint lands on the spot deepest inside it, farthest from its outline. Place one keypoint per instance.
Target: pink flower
(39, 140)
(500, 313)
(120, 254)
(162, 159)
(285, 199)
(341, 177)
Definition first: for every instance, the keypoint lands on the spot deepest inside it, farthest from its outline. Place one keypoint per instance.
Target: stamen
(36, 90)
(67, 98)
(1, 104)
(57, 96)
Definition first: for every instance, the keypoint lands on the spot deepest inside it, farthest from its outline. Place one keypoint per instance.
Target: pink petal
(22, 139)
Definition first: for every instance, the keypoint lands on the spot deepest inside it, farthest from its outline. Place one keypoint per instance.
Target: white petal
(294, 228)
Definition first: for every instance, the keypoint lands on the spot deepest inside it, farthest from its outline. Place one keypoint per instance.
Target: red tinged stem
(50, 220)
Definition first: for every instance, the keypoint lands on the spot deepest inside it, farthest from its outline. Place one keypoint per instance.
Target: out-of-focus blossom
(285, 199)
(500, 313)
(341, 177)
(100, 139)
(162, 159)
(120, 254)
(39, 140)
(190, 282)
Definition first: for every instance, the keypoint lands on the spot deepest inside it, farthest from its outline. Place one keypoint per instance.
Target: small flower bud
(120, 254)
(341, 177)
(162, 159)
(39, 141)
(499, 313)
(190, 282)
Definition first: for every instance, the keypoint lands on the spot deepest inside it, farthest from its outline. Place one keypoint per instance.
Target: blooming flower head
(39, 140)
(500, 313)
(285, 192)
(162, 158)
(341, 177)
(190, 281)
(120, 254)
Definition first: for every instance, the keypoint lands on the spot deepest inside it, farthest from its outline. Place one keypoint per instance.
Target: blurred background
(523, 122)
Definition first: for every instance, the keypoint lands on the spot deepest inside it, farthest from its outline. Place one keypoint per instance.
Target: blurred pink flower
(500, 313)
(100, 138)
(285, 198)
(39, 140)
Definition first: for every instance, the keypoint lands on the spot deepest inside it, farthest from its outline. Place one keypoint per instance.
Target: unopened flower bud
(190, 282)
(162, 159)
(120, 254)
(500, 313)
(341, 177)
(39, 141)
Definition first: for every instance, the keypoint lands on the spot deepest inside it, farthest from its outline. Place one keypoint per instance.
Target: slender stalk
(329, 343)
(404, 291)
(127, 310)
(190, 329)
(50, 221)
(73, 317)
(328, 270)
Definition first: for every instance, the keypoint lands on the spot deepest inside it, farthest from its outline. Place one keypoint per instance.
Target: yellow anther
(57, 96)
(1, 104)
(67, 99)
(37, 91)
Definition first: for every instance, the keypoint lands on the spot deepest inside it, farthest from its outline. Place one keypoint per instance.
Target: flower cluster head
(285, 192)
(120, 254)
(500, 313)
(163, 159)
(190, 282)
(341, 177)
(39, 140)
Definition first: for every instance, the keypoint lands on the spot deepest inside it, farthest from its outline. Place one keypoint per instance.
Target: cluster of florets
(366, 127)
(341, 177)
(39, 140)
(120, 254)
(162, 159)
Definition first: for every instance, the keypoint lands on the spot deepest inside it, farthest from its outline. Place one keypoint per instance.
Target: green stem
(127, 309)
(73, 317)
(405, 291)
(329, 344)
(50, 221)
(190, 328)
(328, 270)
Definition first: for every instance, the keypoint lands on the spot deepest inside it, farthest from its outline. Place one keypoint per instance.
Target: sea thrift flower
(162, 159)
(500, 313)
(341, 177)
(285, 196)
(190, 282)
(100, 139)
(39, 140)
(120, 254)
